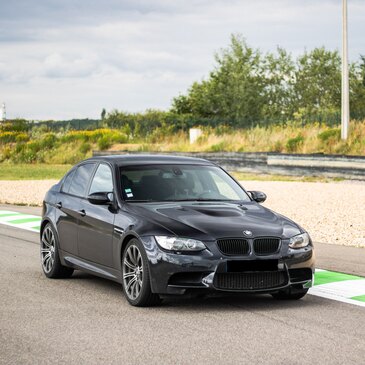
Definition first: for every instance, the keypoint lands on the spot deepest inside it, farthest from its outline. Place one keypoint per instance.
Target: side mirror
(258, 196)
(100, 198)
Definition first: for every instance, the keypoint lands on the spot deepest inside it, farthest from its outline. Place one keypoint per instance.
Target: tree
(247, 87)
(317, 84)
(357, 89)
(279, 70)
(233, 90)
(103, 113)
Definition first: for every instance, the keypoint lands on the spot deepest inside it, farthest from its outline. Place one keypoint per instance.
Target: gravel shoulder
(331, 212)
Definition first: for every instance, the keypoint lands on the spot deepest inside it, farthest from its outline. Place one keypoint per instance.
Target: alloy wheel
(48, 245)
(133, 272)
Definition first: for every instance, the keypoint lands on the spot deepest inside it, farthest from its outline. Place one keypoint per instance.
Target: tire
(136, 276)
(290, 294)
(50, 259)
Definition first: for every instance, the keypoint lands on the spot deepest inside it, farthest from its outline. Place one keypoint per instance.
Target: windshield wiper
(138, 201)
(201, 200)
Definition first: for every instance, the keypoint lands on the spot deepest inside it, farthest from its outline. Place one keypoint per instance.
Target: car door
(68, 204)
(95, 234)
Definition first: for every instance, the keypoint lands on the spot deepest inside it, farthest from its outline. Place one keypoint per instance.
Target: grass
(292, 138)
(32, 171)
(74, 146)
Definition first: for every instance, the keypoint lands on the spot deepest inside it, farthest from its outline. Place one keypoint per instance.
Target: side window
(102, 181)
(67, 182)
(81, 179)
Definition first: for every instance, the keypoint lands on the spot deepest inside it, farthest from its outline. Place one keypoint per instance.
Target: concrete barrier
(347, 167)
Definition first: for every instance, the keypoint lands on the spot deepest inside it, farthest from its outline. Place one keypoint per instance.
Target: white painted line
(317, 292)
(346, 288)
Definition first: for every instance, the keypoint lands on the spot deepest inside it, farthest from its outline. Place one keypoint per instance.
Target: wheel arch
(44, 222)
(125, 241)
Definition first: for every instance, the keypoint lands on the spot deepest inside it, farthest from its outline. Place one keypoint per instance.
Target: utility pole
(345, 103)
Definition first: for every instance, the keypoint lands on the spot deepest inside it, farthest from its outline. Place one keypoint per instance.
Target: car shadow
(211, 301)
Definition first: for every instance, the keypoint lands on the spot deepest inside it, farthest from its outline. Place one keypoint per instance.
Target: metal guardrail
(341, 166)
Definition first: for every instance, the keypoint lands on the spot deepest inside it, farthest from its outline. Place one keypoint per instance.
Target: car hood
(212, 220)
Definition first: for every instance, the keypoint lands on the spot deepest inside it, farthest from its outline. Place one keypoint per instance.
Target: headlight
(179, 244)
(300, 241)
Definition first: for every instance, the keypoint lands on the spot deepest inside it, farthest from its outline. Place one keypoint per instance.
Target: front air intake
(247, 281)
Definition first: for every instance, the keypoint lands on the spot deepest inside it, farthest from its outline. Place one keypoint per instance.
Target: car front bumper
(177, 273)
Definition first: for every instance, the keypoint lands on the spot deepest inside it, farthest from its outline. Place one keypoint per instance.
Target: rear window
(67, 182)
(81, 179)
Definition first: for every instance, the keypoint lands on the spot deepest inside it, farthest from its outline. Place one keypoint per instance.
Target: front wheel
(136, 277)
(290, 294)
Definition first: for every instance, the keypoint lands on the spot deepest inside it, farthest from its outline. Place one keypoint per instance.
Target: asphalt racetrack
(87, 320)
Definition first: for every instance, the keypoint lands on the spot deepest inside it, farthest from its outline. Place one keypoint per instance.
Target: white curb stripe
(346, 288)
(9, 220)
(323, 294)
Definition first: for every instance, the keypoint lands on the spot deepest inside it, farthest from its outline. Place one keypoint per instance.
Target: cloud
(62, 59)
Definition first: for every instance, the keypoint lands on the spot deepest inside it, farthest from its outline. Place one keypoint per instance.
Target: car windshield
(179, 183)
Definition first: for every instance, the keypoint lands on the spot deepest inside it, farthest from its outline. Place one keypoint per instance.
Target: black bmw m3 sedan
(162, 225)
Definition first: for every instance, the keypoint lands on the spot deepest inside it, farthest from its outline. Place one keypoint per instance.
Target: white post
(345, 103)
(3, 112)
(194, 134)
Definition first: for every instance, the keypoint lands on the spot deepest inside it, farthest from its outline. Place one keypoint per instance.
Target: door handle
(59, 205)
(82, 212)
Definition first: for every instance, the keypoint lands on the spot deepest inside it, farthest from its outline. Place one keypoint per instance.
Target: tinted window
(67, 182)
(81, 179)
(102, 181)
(179, 183)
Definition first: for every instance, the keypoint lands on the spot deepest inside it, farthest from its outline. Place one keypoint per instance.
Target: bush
(104, 143)
(221, 146)
(85, 148)
(119, 138)
(293, 144)
(333, 134)
(22, 137)
(16, 125)
(48, 141)
(8, 137)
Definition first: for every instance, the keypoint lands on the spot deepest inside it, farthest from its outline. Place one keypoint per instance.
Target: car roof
(147, 159)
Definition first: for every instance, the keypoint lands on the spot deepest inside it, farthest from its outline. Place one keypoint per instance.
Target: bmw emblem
(247, 233)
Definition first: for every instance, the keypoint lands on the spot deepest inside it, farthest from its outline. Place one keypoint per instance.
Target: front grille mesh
(250, 280)
(233, 246)
(266, 246)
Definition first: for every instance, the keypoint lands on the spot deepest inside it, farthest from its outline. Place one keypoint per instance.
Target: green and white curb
(338, 286)
(20, 220)
(327, 284)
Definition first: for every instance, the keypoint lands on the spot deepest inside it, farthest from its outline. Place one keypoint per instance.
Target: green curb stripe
(37, 228)
(24, 220)
(326, 277)
(8, 214)
(360, 298)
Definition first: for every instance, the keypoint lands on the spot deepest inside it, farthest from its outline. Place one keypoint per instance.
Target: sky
(64, 59)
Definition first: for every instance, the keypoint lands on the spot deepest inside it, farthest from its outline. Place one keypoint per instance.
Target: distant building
(3, 112)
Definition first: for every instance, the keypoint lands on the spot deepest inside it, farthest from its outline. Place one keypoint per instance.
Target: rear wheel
(290, 294)
(50, 260)
(136, 277)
